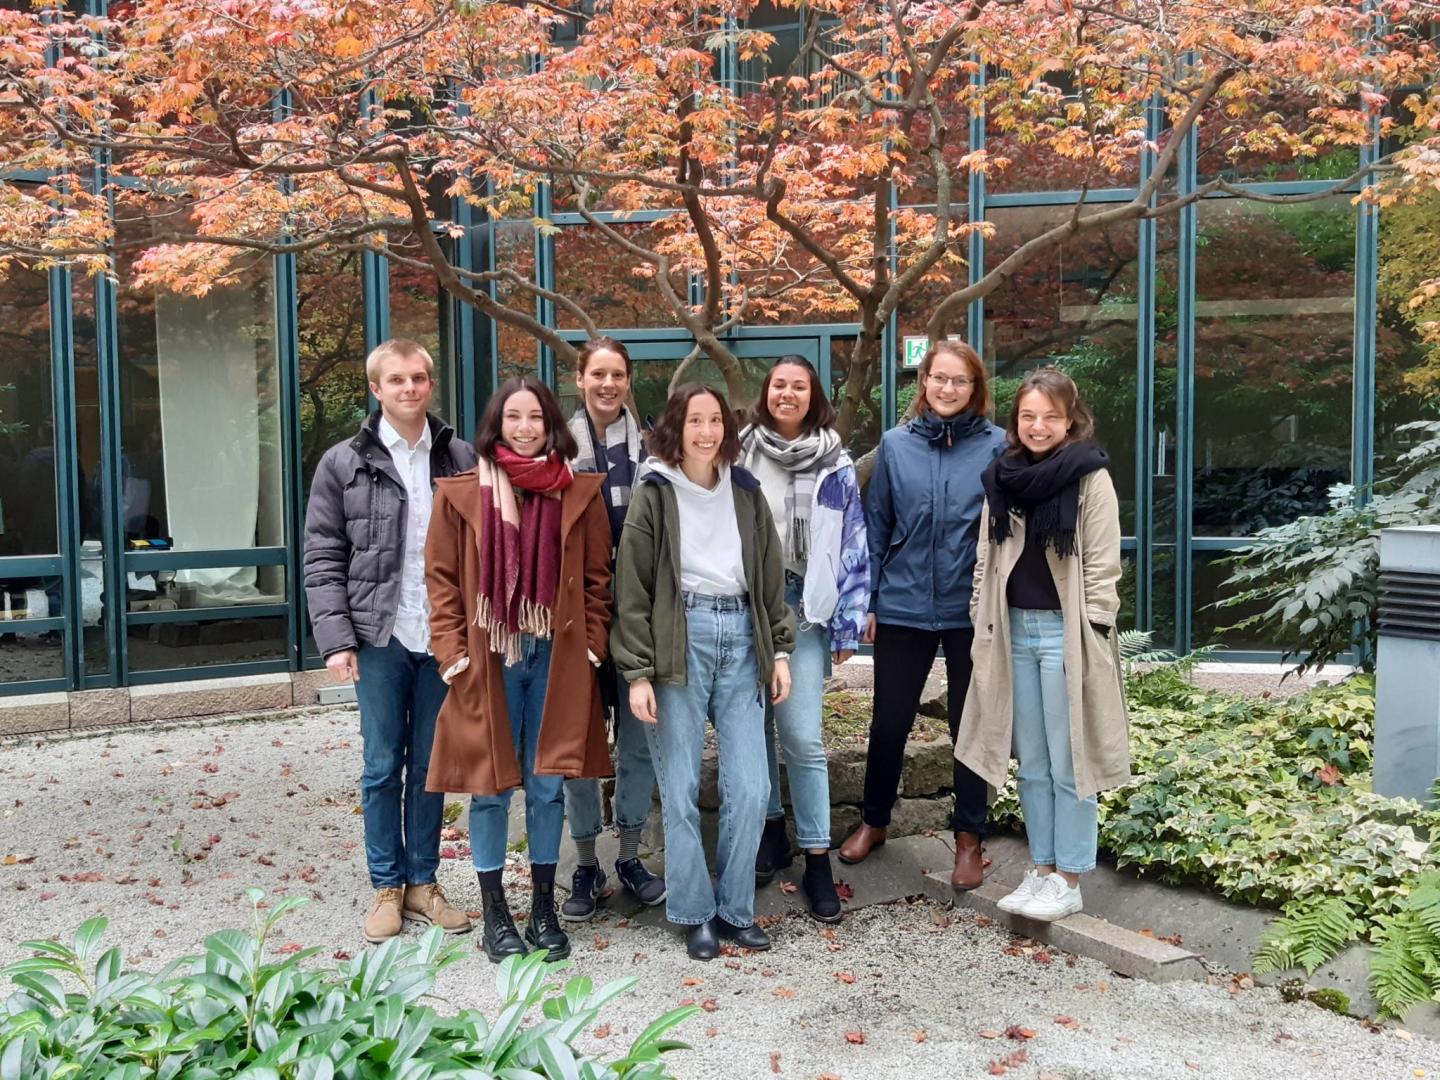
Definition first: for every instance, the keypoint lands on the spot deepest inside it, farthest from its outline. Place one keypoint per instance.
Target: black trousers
(903, 658)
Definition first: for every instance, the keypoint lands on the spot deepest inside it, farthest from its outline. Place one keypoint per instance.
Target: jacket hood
(936, 431)
(655, 471)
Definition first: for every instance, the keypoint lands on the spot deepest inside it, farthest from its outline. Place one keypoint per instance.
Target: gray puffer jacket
(355, 534)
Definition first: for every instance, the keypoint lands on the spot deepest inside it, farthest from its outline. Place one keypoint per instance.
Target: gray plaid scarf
(802, 460)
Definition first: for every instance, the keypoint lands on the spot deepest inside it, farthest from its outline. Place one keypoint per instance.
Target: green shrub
(234, 1011)
(1268, 802)
(1317, 578)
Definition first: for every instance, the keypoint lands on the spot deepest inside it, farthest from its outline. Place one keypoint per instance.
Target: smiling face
(704, 431)
(522, 424)
(788, 398)
(949, 385)
(1041, 422)
(403, 387)
(604, 385)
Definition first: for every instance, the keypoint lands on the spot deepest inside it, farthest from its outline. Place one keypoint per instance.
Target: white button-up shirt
(412, 617)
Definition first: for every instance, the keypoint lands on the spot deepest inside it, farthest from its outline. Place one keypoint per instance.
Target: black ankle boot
(543, 930)
(774, 854)
(819, 888)
(500, 938)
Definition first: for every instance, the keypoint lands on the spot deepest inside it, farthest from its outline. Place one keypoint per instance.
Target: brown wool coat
(474, 750)
(1088, 585)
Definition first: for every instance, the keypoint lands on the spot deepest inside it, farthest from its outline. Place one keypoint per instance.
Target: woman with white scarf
(809, 481)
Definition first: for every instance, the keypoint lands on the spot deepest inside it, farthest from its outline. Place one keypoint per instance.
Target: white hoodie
(711, 561)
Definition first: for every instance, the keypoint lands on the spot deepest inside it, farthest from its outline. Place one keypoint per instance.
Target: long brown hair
(557, 433)
(821, 413)
(667, 441)
(979, 392)
(1062, 391)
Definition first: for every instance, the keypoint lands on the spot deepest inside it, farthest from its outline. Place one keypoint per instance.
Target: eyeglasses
(959, 382)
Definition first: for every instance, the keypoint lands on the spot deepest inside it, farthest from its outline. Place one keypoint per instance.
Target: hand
(840, 656)
(642, 700)
(868, 637)
(780, 682)
(344, 666)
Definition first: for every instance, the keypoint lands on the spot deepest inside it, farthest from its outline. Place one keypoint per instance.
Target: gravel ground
(161, 830)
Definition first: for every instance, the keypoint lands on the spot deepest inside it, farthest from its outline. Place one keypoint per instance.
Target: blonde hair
(395, 348)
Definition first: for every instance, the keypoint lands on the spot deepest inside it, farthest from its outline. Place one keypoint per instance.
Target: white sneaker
(1029, 886)
(1054, 899)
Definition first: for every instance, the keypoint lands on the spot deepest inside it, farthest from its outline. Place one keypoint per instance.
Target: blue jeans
(723, 687)
(634, 779)
(525, 684)
(798, 719)
(400, 694)
(1062, 827)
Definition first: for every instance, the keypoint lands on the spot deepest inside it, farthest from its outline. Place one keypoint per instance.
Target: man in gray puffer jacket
(365, 584)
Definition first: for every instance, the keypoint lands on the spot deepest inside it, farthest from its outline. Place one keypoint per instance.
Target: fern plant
(1316, 580)
(1405, 969)
(1306, 936)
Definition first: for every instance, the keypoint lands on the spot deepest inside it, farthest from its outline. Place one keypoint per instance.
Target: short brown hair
(667, 441)
(821, 413)
(1062, 391)
(979, 393)
(557, 433)
(602, 344)
(402, 348)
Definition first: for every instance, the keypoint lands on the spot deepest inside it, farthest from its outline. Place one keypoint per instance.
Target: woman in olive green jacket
(702, 630)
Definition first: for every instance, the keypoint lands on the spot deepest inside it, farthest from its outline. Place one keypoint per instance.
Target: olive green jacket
(648, 640)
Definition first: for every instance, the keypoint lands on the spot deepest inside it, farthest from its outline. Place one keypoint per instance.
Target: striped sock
(629, 844)
(585, 852)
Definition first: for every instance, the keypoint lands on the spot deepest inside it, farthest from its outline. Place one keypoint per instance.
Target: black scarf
(940, 432)
(1044, 491)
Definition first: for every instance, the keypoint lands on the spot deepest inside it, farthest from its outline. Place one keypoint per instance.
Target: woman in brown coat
(517, 564)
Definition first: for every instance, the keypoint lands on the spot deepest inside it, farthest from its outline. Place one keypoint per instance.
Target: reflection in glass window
(1076, 310)
(418, 312)
(25, 656)
(200, 431)
(160, 646)
(1407, 376)
(515, 251)
(330, 315)
(1274, 327)
(601, 277)
(27, 418)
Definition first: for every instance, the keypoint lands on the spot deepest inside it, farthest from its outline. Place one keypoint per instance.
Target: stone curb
(1121, 950)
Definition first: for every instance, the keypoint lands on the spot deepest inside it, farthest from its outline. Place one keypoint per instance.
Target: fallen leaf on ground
(845, 977)
(709, 1005)
(1015, 1031)
(692, 981)
(784, 992)
(855, 1038)
(600, 943)
(17, 858)
(289, 947)
(996, 1069)
(990, 1033)
(774, 1061)
(602, 1032)
(1068, 1022)
(789, 887)
(340, 954)
(920, 1036)
(844, 891)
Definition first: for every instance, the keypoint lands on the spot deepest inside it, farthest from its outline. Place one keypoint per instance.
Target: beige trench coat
(1088, 586)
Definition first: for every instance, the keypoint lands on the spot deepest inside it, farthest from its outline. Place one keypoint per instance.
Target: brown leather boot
(969, 869)
(861, 842)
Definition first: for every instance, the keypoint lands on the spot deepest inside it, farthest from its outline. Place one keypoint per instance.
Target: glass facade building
(1241, 358)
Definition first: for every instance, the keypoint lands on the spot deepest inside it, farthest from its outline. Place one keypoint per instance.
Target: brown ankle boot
(969, 864)
(861, 842)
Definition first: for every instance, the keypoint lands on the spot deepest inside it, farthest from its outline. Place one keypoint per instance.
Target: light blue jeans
(1062, 827)
(798, 720)
(634, 779)
(722, 687)
(525, 684)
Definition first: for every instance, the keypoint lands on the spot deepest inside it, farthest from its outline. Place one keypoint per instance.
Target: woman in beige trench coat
(1047, 684)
